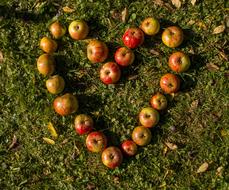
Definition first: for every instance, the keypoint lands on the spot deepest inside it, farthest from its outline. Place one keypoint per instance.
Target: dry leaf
(201, 25)
(124, 14)
(52, 130)
(159, 2)
(203, 168)
(191, 22)
(193, 2)
(219, 171)
(219, 29)
(14, 142)
(1, 57)
(194, 104)
(68, 9)
(176, 3)
(154, 52)
(132, 77)
(165, 150)
(49, 141)
(221, 53)
(212, 67)
(171, 146)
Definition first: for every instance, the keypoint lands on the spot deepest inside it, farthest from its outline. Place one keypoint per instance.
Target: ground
(197, 119)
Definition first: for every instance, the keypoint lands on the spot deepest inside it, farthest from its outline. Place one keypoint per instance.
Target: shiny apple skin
(78, 29)
(112, 157)
(55, 84)
(150, 26)
(48, 45)
(96, 141)
(97, 51)
(110, 73)
(129, 148)
(172, 36)
(46, 64)
(170, 83)
(83, 124)
(133, 37)
(149, 117)
(57, 30)
(124, 56)
(141, 136)
(66, 104)
(159, 102)
(179, 62)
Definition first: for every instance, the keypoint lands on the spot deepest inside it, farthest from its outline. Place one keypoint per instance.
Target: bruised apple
(97, 51)
(48, 45)
(129, 148)
(55, 84)
(172, 36)
(110, 73)
(158, 102)
(57, 30)
(141, 135)
(46, 64)
(66, 104)
(150, 26)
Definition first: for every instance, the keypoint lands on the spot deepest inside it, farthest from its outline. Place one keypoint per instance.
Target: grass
(196, 121)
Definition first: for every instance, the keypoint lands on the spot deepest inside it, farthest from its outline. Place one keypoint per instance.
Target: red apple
(112, 157)
(141, 135)
(179, 62)
(96, 141)
(46, 64)
(170, 83)
(150, 26)
(83, 124)
(172, 36)
(57, 30)
(97, 51)
(55, 84)
(158, 101)
(124, 56)
(110, 73)
(149, 117)
(66, 104)
(78, 30)
(129, 148)
(48, 45)
(133, 37)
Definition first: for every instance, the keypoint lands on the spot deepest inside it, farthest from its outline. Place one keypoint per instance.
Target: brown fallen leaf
(219, 171)
(154, 52)
(67, 9)
(193, 2)
(1, 57)
(203, 168)
(14, 142)
(124, 14)
(221, 53)
(132, 77)
(171, 146)
(194, 104)
(52, 130)
(158, 2)
(219, 29)
(176, 3)
(48, 140)
(212, 67)
(191, 22)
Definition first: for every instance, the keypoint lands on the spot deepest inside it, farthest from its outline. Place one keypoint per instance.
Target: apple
(83, 124)
(46, 64)
(170, 83)
(141, 136)
(129, 147)
(172, 36)
(78, 29)
(55, 84)
(66, 104)
(57, 30)
(150, 26)
(124, 56)
(96, 141)
(179, 62)
(110, 73)
(97, 51)
(158, 102)
(48, 45)
(112, 157)
(149, 117)
(133, 37)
